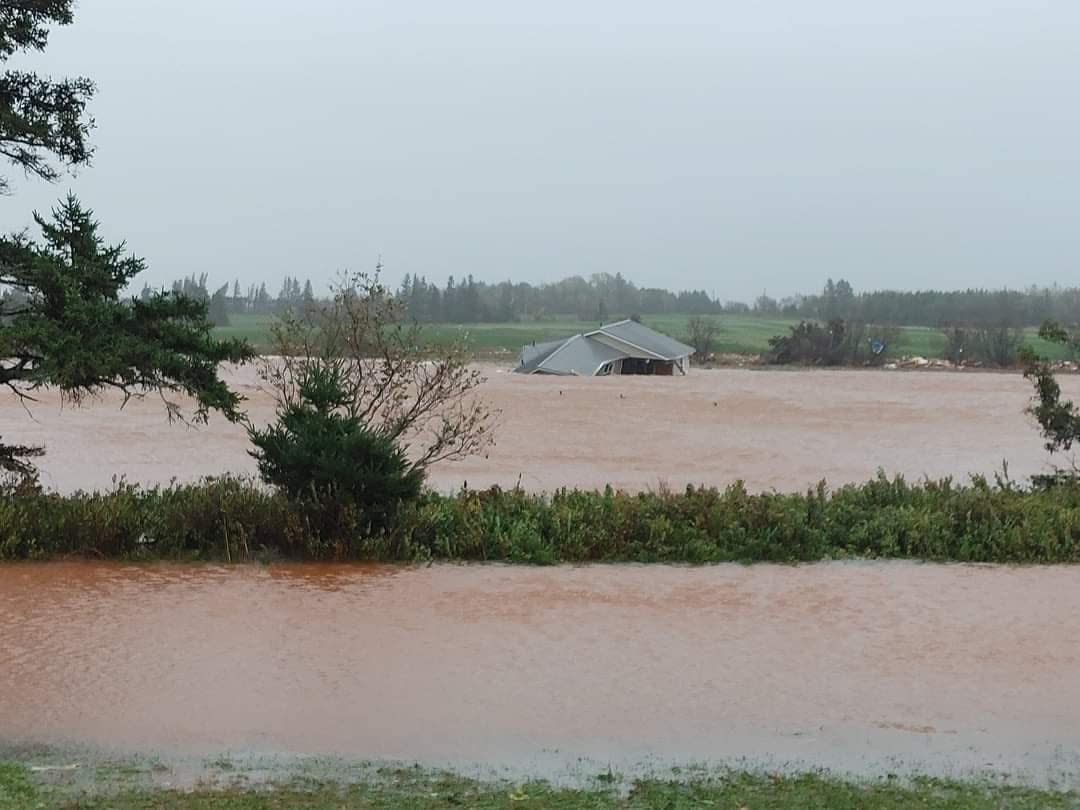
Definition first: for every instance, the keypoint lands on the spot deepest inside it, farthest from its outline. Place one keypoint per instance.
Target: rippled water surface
(773, 429)
(845, 665)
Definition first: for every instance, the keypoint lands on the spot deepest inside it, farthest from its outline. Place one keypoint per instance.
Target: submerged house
(625, 347)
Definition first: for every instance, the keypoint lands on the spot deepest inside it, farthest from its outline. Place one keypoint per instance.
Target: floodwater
(857, 666)
(777, 429)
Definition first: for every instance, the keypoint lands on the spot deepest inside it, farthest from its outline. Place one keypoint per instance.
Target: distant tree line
(937, 308)
(603, 296)
(224, 301)
(597, 298)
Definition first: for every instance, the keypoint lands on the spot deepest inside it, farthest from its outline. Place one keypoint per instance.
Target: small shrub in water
(316, 453)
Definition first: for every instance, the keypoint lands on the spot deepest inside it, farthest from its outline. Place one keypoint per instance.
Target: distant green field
(253, 328)
(739, 334)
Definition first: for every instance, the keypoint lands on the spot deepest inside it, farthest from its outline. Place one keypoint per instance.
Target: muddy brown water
(857, 666)
(774, 429)
(863, 667)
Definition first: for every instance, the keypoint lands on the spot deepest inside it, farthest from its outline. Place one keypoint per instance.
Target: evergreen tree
(505, 308)
(318, 453)
(63, 322)
(218, 310)
(40, 118)
(451, 311)
(284, 298)
(435, 304)
(74, 331)
(767, 306)
(262, 299)
(418, 302)
(471, 309)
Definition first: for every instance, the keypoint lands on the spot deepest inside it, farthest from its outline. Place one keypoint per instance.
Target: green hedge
(233, 519)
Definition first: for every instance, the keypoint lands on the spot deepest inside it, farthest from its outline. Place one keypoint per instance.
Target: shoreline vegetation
(235, 520)
(418, 790)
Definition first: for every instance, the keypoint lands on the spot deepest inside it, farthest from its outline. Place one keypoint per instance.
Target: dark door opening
(641, 365)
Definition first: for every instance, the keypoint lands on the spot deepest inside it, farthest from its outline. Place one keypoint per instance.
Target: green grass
(923, 341)
(405, 791)
(739, 334)
(491, 338)
(253, 328)
(16, 789)
(232, 520)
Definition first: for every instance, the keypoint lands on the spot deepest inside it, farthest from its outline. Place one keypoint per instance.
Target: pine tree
(436, 310)
(451, 309)
(262, 299)
(74, 331)
(40, 118)
(218, 310)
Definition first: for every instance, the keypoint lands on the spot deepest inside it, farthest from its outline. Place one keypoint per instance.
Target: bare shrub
(422, 398)
(999, 345)
(959, 344)
(702, 333)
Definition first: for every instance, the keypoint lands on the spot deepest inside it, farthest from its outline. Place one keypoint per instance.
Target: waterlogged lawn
(398, 792)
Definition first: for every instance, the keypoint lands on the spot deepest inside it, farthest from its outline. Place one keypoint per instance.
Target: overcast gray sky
(731, 146)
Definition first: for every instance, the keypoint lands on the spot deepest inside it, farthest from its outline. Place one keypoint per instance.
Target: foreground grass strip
(737, 792)
(232, 520)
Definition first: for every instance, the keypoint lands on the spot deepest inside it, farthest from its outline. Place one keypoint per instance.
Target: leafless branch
(424, 399)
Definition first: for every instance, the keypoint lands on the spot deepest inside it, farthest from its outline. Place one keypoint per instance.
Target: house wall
(682, 365)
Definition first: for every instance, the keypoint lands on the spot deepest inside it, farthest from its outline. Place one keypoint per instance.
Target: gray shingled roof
(535, 354)
(584, 354)
(645, 338)
(579, 355)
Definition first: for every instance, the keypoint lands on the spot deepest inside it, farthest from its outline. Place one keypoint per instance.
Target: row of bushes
(232, 519)
(836, 343)
(853, 343)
